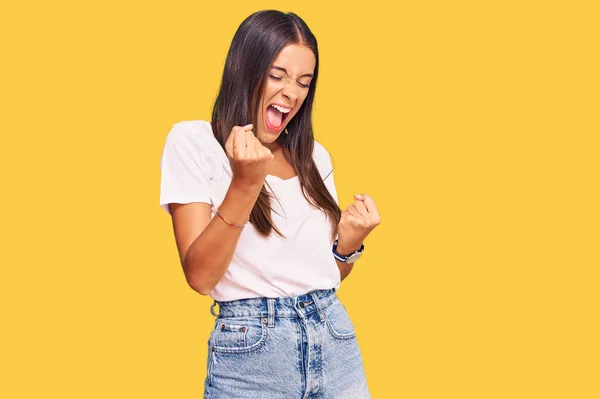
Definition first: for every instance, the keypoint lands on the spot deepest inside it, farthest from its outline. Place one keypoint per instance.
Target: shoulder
(192, 144)
(322, 159)
(195, 140)
(194, 133)
(320, 153)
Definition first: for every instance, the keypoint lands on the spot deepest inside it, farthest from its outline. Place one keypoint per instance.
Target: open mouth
(276, 116)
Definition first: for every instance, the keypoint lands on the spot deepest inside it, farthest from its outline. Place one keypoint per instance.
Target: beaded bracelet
(230, 224)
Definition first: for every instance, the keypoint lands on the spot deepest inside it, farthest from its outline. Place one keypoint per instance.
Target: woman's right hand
(205, 243)
(249, 159)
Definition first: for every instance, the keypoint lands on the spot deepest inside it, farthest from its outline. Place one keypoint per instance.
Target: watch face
(353, 258)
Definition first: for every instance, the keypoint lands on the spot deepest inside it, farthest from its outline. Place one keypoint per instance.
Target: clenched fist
(249, 159)
(357, 221)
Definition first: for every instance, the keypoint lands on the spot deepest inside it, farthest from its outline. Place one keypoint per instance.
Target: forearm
(345, 269)
(209, 256)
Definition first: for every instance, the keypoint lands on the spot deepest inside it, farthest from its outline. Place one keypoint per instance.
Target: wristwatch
(350, 258)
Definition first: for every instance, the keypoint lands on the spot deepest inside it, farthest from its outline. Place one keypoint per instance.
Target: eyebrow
(306, 75)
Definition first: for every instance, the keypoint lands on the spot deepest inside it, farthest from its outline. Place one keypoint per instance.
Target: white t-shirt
(195, 168)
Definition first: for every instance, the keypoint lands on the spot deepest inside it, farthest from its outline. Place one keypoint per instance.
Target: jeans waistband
(297, 306)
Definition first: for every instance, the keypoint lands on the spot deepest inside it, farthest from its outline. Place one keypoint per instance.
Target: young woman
(258, 227)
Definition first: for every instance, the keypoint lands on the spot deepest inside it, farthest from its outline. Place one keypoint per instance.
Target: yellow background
(474, 125)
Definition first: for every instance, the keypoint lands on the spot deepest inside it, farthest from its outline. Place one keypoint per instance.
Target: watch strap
(344, 258)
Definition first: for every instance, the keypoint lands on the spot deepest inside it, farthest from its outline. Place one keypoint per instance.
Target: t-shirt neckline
(277, 178)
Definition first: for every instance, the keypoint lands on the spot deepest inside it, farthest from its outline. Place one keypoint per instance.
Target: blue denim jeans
(284, 348)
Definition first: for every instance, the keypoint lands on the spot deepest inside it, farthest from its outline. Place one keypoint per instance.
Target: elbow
(197, 281)
(204, 291)
(199, 286)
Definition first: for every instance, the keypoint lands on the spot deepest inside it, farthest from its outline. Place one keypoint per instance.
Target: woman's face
(285, 90)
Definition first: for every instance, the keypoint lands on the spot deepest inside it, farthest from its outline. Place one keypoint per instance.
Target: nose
(291, 91)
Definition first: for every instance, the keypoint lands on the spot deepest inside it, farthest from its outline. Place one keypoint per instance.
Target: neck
(274, 146)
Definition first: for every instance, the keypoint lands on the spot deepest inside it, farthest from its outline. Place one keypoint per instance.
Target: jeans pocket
(338, 322)
(237, 335)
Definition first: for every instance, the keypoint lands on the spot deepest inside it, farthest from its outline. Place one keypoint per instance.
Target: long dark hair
(255, 45)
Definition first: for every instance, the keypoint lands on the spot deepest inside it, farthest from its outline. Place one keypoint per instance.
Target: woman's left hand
(357, 221)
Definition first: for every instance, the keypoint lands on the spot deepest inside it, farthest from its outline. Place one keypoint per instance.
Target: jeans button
(301, 304)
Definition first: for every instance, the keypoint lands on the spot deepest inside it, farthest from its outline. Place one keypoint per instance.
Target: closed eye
(278, 78)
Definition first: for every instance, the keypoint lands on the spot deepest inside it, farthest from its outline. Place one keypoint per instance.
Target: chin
(268, 138)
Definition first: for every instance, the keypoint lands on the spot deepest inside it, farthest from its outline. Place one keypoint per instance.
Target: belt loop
(212, 309)
(317, 301)
(271, 310)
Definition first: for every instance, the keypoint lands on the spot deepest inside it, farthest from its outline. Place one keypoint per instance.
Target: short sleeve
(184, 179)
(324, 165)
